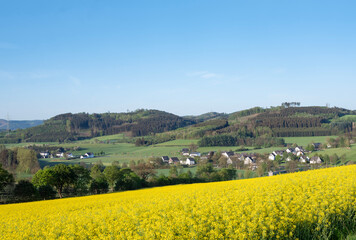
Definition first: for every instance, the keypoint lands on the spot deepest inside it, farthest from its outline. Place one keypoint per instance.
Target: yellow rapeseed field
(312, 204)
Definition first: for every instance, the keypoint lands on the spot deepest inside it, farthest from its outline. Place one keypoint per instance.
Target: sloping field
(318, 204)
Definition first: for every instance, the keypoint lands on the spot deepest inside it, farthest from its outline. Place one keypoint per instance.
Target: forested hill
(67, 127)
(279, 121)
(293, 121)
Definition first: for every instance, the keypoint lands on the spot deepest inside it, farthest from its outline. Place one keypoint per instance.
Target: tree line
(78, 180)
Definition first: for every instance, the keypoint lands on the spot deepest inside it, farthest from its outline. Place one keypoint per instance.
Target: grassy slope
(124, 152)
(304, 141)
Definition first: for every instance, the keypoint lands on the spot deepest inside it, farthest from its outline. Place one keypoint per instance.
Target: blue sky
(184, 57)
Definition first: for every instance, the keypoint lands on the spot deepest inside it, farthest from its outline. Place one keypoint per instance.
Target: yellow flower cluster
(287, 206)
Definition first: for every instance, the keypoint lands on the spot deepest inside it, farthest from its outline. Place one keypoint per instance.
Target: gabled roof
(165, 158)
(229, 153)
(174, 159)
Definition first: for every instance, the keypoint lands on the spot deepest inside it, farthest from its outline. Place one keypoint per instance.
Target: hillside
(207, 116)
(158, 126)
(68, 127)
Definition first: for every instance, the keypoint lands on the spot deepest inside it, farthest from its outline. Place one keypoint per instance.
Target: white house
(190, 161)
(303, 159)
(279, 152)
(229, 161)
(195, 154)
(87, 155)
(227, 154)
(299, 149)
(44, 154)
(185, 152)
(315, 160)
(249, 160)
(165, 159)
(271, 157)
(289, 150)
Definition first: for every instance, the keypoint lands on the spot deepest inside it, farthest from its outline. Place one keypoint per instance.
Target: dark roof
(185, 150)
(230, 153)
(165, 157)
(174, 159)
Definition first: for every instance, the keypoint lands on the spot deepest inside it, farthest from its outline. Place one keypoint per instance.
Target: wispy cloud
(204, 75)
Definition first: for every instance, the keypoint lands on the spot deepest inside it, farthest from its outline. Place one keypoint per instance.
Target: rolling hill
(249, 123)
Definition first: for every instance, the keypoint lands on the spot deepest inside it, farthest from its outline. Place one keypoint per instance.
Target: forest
(288, 120)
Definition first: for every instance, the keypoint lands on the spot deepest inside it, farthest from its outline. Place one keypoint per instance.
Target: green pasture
(179, 142)
(350, 153)
(125, 152)
(304, 141)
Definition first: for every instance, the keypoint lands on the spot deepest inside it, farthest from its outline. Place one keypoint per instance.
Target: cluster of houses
(247, 158)
(185, 152)
(299, 152)
(67, 155)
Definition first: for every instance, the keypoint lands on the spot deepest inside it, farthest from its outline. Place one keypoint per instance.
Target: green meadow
(124, 152)
(304, 141)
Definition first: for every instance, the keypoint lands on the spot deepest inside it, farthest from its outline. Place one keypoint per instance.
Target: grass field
(125, 152)
(179, 142)
(304, 141)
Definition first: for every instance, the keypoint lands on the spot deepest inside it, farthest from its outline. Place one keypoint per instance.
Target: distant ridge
(19, 124)
(277, 121)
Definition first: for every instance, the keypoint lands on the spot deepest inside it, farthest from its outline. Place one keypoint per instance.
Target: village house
(165, 159)
(299, 149)
(289, 150)
(195, 154)
(278, 152)
(87, 155)
(316, 145)
(173, 160)
(304, 159)
(210, 154)
(185, 152)
(249, 160)
(271, 173)
(315, 160)
(227, 154)
(62, 155)
(44, 154)
(271, 156)
(190, 161)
